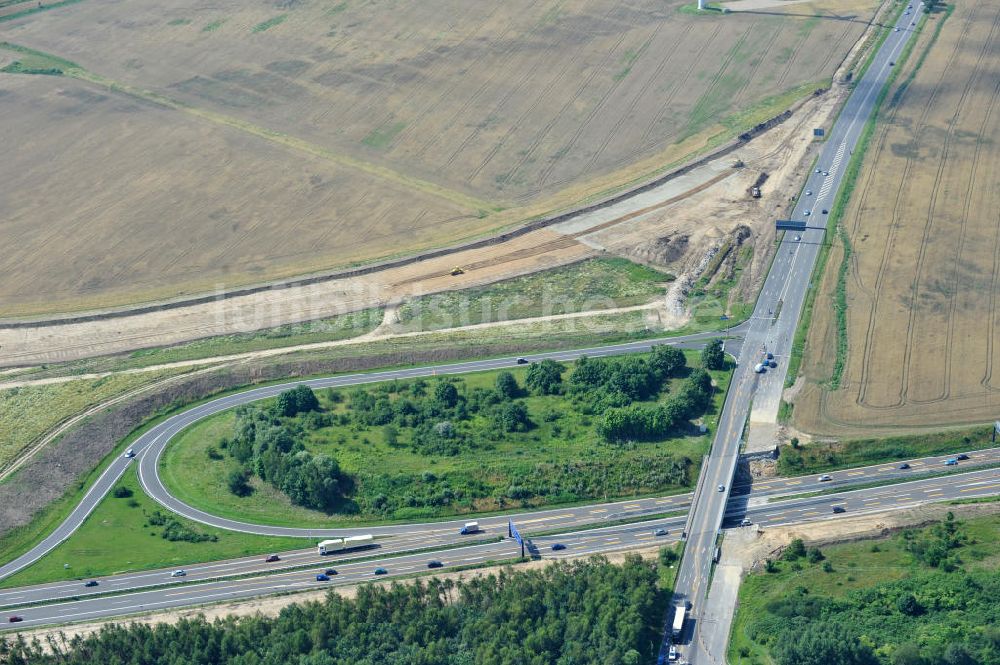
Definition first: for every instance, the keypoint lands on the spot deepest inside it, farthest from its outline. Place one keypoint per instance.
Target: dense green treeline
(579, 613)
(922, 598)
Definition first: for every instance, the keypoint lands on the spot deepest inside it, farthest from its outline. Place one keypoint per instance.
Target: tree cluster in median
(269, 446)
(581, 613)
(619, 400)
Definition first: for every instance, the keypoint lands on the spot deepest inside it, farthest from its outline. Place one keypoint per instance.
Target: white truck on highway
(341, 544)
(680, 613)
(470, 527)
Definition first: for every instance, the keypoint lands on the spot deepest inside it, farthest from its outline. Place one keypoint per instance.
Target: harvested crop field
(199, 145)
(922, 284)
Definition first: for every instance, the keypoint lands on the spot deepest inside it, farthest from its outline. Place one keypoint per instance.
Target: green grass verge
(981, 499)
(118, 538)
(861, 575)
(594, 284)
(29, 412)
(331, 329)
(31, 61)
(817, 457)
(669, 565)
(562, 451)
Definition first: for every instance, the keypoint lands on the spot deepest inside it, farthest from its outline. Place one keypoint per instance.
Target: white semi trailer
(680, 612)
(341, 544)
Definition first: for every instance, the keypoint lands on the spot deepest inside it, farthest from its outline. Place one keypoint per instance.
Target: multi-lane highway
(771, 330)
(745, 497)
(69, 601)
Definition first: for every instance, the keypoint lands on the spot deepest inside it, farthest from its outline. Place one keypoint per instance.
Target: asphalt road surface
(599, 540)
(772, 328)
(149, 447)
(745, 498)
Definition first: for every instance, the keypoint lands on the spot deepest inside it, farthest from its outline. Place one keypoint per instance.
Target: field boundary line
(372, 268)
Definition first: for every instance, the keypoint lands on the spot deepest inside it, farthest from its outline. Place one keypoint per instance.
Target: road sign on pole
(512, 530)
(789, 225)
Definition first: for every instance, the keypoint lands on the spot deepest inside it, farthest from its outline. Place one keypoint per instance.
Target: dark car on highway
(558, 546)
(322, 578)
(839, 509)
(272, 558)
(15, 619)
(434, 564)
(963, 456)
(330, 571)
(91, 583)
(381, 571)
(904, 466)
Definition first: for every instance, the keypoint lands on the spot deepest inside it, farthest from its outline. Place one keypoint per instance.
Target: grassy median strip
(638, 519)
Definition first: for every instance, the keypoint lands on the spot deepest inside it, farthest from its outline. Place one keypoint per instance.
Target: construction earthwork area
(191, 146)
(921, 287)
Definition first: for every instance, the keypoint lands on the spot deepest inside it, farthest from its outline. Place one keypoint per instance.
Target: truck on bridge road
(680, 613)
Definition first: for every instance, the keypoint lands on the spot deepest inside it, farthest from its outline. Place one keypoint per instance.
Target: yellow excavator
(457, 271)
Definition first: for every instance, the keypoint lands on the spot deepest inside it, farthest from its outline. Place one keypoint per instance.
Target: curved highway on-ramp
(149, 446)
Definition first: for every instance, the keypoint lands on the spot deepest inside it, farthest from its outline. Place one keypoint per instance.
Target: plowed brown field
(923, 286)
(303, 135)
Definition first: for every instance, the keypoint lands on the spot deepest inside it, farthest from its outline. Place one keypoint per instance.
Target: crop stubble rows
(923, 285)
(420, 123)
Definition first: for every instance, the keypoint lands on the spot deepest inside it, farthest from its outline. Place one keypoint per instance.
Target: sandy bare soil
(923, 280)
(235, 142)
